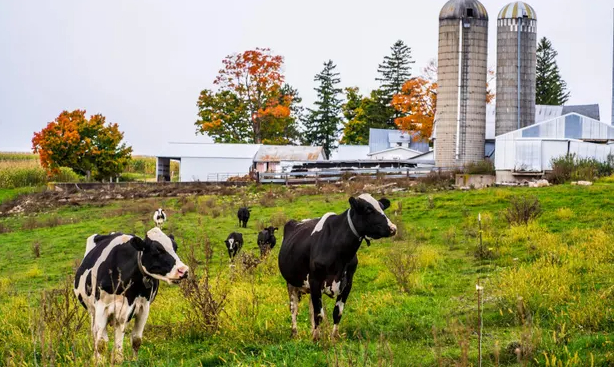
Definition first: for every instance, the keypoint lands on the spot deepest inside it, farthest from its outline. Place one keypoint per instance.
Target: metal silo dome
(459, 9)
(517, 9)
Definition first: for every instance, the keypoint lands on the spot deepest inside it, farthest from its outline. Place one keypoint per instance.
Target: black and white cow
(119, 278)
(243, 215)
(234, 242)
(159, 217)
(319, 255)
(267, 240)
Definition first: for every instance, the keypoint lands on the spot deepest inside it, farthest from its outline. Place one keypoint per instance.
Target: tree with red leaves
(90, 147)
(252, 105)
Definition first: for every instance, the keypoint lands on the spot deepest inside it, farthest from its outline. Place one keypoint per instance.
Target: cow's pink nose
(183, 271)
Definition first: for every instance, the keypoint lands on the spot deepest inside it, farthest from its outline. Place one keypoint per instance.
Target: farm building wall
(213, 169)
(392, 154)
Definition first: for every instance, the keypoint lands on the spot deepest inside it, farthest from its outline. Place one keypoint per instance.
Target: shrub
(571, 167)
(36, 249)
(267, 200)
(523, 209)
(485, 167)
(279, 220)
(404, 264)
(206, 295)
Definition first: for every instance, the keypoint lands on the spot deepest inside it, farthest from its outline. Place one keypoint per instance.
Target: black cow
(119, 278)
(319, 255)
(267, 240)
(243, 215)
(234, 242)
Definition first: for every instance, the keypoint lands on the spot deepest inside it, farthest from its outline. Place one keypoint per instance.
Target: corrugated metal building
(529, 151)
(269, 158)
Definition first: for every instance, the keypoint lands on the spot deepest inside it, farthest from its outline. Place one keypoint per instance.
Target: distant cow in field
(267, 240)
(159, 217)
(243, 215)
(319, 255)
(119, 278)
(234, 242)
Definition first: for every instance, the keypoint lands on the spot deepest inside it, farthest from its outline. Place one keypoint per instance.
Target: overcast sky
(143, 63)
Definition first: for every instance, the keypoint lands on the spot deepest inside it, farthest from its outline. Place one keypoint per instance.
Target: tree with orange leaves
(251, 104)
(416, 102)
(89, 147)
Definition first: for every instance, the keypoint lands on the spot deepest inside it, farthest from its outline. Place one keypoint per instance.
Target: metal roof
(278, 153)
(542, 113)
(572, 126)
(457, 9)
(350, 152)
(517, 9)
(396, 148)
(209, 150)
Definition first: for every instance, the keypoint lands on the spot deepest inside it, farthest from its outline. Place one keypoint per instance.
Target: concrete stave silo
(462, 78)
(516, 67)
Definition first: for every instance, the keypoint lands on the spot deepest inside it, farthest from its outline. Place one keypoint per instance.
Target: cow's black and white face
(160, 260)
(369, 218)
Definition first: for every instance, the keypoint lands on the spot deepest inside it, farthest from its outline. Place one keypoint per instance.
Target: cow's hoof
(335, 334)
(101, 346)
(294, 333)
(136, 344)
(118, 358)
(315, 335)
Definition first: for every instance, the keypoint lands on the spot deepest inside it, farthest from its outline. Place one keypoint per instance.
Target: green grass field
(548, 287)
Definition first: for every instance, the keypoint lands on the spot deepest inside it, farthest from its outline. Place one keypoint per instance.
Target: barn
(528, 152)
(206, 161)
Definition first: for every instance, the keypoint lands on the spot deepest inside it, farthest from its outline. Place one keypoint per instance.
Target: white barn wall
(401, 154)
(199, 169)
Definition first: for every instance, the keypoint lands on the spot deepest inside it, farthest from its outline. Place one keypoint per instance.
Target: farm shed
(350, 152)
(206, 161)
(269, 158)
(529, 151)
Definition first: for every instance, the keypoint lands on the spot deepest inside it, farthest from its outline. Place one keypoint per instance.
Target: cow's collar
(146, 277)
(351, 224)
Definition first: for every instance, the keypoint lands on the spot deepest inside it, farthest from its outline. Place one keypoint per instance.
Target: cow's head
(369, 218)
(270, 230)
(159, 259)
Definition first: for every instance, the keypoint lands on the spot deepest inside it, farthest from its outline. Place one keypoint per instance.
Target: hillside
(548, 286)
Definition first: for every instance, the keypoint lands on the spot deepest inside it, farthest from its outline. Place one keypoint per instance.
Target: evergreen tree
(323, 124)
(395, 70)
(551, 89)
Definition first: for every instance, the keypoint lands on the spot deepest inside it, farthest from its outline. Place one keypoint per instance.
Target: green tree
(551, 89)
(362, 113)
(90, 147)
(395, 70)
(323, 124)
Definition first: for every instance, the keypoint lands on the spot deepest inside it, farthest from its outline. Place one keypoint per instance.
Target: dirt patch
(42, 201)
(103, 194)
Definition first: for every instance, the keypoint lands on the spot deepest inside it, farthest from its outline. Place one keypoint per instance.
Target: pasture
(548, 286)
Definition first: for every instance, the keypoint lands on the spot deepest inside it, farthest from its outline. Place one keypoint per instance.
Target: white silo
(461, 94)
(516, 63)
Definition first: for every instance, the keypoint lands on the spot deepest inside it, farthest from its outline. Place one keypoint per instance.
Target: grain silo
(461, 95)
(516, 63)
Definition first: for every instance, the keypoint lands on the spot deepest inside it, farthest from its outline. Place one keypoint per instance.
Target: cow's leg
(118, 346)
(100, 329)
(294, 300)
(338, 311)
(316, 302)
(342, 298)
(140, 318)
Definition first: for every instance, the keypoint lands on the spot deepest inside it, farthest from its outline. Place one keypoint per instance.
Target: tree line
(252, 103)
